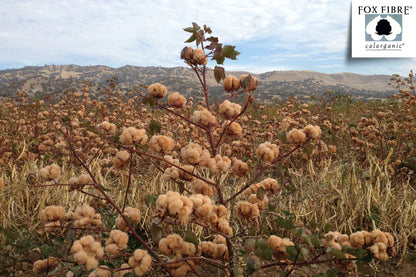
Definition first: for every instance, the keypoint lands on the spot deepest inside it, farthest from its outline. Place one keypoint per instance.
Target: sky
(270, 34)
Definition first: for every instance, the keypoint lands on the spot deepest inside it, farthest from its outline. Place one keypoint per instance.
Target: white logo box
(383, 29)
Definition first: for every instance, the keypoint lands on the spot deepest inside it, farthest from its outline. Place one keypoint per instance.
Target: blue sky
(270, 34)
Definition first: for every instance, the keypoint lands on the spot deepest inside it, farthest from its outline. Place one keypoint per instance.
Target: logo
(382, 29)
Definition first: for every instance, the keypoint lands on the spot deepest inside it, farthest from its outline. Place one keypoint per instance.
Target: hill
(54, 79)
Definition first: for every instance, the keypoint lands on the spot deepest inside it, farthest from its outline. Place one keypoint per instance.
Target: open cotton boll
(133, 214)
(176, 100)
(140, 262)
(313, 132)
(229, 110)
(50, 172)
(157, 90)
(204, 118)
(296, 136)
(161, 144)
(267, 152)
(231, 83)
(131, 135)
(234, 129)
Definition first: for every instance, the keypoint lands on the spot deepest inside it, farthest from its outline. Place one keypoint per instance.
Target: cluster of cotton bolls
(240, 168)
(157, 90)
(194, 56)
(51, 217)
(299, 136)
(248, 210)
(267, 152)
(174, 173)
(82, 180)
(107, 128)
(229, 110)
(380, 243)
(121, 159)
(219, 164)
(174, 204)
(176, 100)
(270, 185)
(140, 262)
(132, 214)
(41, 266)
(174, 244)
(86, 216)
(50, 172)
(161, 144)
(193, 154)
(131, 135)
(86, 251)
(216, 249)
(204, 118)
(116, 242)
(279, 245)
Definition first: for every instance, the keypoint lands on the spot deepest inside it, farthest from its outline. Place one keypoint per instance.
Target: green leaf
(336, 253)
(156, 232)
(262, 249)
(253, 264)
(189, 30)
(308, 149)
(191, 237)
(9, 234)
(45, 251)
(316, 241)
(154, 127)
(219, 73)
(359, 253)
(285, 223)
(411, 259)
(261, 192)
(190, 39)
(150, 199)
(228, 51)
(291, 252)
(181, 187)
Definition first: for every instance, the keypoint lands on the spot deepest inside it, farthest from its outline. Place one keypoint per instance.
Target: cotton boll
(176, 100)
(296, 136)
(231, 83)
(234, 129)
(313, 132)
(157, 90)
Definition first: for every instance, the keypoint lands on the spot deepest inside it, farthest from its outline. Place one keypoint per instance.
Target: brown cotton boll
(176, 100)
(200, 187)
(204, 118)
(51, 226)
(81, 257)
(120, 238)
(162, 201)
(196, 200)
(131, 135)
(191, 153)
(107, 128)
(185, 176)
(91, 263)
(187, 249)
(112, 249)
(104, 271)
(163, 246)
(379, 251)
(170, 160)
(161, 144)
(327, 124)
(313, 132)
(175, 205)
(186, 53)
(231, 83)
(86, 240)
(50, 172)
(274, 242)
(204, 157)
(296, 136)
(234, 129)
(76, 246)
(229, 110)
(379, 236)
(240, 168)
(198, 56)
(357, 239)
(390, 239)
(171, 173)
(157, 90)
(184, 214)
(204, 210)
